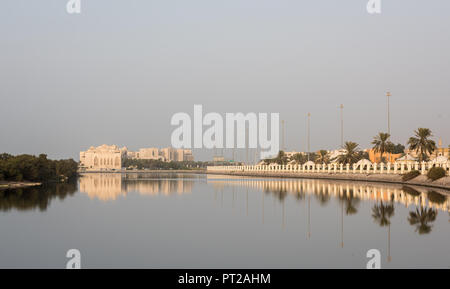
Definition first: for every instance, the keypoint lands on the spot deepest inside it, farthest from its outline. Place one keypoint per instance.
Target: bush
(436, 173)
(411, 175)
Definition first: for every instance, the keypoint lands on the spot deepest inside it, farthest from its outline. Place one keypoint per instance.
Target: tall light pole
(309, 125)
(342, 125)
(388, 95)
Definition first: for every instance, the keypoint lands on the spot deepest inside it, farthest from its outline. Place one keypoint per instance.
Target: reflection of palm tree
(323, 198)
(382, 215)
(351, 203)
(421, 217)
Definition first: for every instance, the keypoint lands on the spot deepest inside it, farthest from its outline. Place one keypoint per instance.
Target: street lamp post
(388, 95)
(342, 125)
(309, 124)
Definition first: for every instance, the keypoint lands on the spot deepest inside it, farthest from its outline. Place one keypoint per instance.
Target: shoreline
(423, 181)
(196, 171)
(17, 185)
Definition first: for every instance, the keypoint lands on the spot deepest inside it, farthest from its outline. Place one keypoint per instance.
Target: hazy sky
(117, 72)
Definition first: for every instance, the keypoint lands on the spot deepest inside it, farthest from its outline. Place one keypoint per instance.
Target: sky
(117, 72)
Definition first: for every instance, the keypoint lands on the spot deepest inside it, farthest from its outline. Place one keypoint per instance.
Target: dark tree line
(161, 165)
(31, 168)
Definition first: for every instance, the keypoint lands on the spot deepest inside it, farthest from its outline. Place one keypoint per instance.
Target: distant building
(147, 154)
(375, 157)
(176, 155)
(218, 159)
(103, 157)
(110, 157)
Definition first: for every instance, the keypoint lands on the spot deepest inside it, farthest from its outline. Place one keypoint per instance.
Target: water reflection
(25, 199)
(275, 222)
(421, 219)
(110, 186)
(350, 193)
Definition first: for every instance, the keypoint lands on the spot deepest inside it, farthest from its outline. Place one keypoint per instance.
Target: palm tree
(351, 153)
(281, 158)
(421, 144)
(299, 158)
(322, 157)
(381, 143)
(421, 218)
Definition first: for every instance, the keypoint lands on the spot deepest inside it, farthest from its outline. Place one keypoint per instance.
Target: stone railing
(372, 168)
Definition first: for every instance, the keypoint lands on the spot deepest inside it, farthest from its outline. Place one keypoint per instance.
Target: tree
(299, 158)
(322, 157)
(281, 158)
(351, 154)
(381, 144)
(398, 149)
(421, 144)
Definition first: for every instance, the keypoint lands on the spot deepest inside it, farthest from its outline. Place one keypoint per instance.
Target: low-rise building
(103, 157)
(110, 157)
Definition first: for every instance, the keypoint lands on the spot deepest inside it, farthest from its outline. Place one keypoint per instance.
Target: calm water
(198, 221)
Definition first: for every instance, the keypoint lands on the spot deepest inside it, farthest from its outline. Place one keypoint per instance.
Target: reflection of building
(103, 157)
(104, 186)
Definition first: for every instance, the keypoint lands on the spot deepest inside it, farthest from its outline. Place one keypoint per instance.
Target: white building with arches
(103, 157)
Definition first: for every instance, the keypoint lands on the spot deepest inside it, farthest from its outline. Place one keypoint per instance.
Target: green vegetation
(398, 149)
(161, 165)
(411, 175)
(382, 145)
(38, 169)
(322, 157)
(436, 173)
(421, 143)
(352, 154)
(298, 158)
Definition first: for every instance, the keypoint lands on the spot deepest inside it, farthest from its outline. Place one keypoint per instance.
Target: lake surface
(211, 221)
